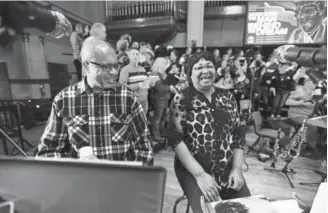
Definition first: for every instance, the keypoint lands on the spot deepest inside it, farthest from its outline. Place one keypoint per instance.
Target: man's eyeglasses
(106, 67)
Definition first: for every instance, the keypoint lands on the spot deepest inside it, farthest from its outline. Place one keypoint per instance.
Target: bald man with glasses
(97, 114)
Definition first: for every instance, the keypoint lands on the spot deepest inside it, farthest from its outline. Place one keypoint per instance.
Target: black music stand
(16, 146)
(285, 170)
(12, 128)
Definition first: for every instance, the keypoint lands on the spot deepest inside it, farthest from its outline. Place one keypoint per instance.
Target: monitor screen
(282, 22)
(52, 186)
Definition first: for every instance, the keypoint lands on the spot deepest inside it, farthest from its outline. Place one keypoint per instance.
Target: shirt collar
(83, 86)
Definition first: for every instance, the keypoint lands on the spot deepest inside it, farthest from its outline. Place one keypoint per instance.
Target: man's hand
(208, 186)
(236, 179)
(90, 157)
(86, 153)
(206, 207)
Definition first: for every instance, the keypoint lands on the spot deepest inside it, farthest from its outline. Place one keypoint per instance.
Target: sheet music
(287, 206)
(320, 201)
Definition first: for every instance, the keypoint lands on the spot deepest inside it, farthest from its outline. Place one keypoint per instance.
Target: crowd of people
(195, 96)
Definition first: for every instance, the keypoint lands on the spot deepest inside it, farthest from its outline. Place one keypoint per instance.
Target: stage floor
(271, 184)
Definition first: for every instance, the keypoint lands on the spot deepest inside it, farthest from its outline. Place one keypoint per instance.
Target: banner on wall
(280, 22)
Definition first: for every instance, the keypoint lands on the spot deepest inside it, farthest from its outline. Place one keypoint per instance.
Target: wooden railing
(128, 10)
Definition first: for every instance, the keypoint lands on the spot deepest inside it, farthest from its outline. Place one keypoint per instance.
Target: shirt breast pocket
(78, 128)
(119, 128)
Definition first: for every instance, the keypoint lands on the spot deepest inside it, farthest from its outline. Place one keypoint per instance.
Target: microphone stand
(13, 142)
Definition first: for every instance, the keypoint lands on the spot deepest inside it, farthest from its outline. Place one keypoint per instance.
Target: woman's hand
(236, 179)
(208, 186)
(206, 207)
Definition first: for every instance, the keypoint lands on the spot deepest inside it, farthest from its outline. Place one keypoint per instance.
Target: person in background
(225, 81)
(281, 85)
(173, 78)
(223, 65)
(98, 31)
(135, 77)
(189, 51)
(122, 51)
(225, 58)
(160, 98)
(301, 107)
(143, 44)
(217, 58)
(160, 52)
(113, 127)
(127, 38)
(148, 55)
(86, 32)
(206, 134)
(76, 40)
(300, 73)
(173, 56)
(229, 53)
(241, 85)
(135, 45)
(256, 68)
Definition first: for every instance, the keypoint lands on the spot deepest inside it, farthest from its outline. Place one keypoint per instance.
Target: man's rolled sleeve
(143, 148)
(54, 139)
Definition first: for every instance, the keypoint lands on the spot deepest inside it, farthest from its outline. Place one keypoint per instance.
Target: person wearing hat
(281, 84)
(160, 97)
(205, 132)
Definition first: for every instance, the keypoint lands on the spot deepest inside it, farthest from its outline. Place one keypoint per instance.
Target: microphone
(307, 56)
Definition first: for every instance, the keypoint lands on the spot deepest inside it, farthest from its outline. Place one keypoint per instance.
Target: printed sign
(281, 22)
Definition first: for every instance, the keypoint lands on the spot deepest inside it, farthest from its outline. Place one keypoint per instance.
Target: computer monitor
(72, 186)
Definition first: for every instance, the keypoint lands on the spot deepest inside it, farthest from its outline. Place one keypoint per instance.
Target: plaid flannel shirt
(112, 122)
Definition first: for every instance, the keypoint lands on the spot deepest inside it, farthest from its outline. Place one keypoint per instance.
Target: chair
(183, 197)
(261, 132)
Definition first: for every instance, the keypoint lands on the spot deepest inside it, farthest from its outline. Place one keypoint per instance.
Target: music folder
(73, 186)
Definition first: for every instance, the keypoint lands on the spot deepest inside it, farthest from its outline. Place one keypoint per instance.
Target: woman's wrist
(199, 174)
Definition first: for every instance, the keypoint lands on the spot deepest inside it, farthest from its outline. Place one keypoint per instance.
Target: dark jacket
(162, 88)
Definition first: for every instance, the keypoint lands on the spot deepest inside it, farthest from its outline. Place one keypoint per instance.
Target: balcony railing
(217, 9)
(129, 10)
(216, 3)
